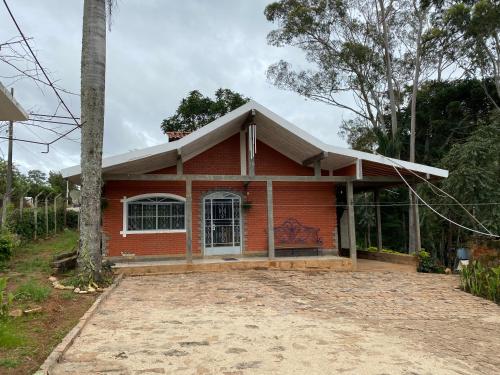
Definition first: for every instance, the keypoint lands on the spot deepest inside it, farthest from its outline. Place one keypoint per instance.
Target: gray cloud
(157, 51)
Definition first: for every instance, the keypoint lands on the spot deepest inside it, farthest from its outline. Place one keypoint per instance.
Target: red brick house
(249, 183)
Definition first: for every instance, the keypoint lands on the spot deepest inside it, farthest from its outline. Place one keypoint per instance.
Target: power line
(51, 116)
(438, 213)
(40, 65)
(441, 190)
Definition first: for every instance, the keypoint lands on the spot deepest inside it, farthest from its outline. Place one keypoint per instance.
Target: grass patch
(26, 341)
(9, 335)
(33, 265)
(32, 290)
(9, 363)
(68, 295)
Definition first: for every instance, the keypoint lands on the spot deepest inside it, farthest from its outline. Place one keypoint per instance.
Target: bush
(482, 280)
(427, 264)
(33, 291)
(24, 225)
(7, 244)
(5, 298)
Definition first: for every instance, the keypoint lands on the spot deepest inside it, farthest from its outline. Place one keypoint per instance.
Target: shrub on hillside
(428, 264)
(7, 243)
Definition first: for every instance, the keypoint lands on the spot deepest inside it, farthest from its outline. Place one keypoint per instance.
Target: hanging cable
(441, 190)
(438, 213)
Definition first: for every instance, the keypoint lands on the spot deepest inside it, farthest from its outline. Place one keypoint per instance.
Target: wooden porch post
(189, 222)
(270, 220)
(351, 225)
(376, 196)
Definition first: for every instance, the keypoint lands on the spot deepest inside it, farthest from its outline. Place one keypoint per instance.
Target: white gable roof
(272, 130)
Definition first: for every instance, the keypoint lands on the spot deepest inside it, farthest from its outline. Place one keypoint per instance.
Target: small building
(248, 184)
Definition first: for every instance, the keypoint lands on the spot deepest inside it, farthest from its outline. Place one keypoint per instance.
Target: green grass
(32, 290)
(65, 241)
(68, 295)
(33, 265)
(8, 363)
(9, 335)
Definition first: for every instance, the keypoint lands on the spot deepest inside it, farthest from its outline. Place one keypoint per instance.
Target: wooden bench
(292, 238)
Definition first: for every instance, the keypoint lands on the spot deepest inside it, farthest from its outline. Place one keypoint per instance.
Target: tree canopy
(197, 110)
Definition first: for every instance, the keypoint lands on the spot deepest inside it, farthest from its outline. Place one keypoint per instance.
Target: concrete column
(376, 196)
(189, 222)
(317, 168)
(351, 223)
(179, 165)
(270, 220)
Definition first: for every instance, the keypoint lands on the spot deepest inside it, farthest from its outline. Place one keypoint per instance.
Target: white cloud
(157, 51)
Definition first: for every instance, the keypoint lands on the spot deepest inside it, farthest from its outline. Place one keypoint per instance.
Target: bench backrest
(292, 232)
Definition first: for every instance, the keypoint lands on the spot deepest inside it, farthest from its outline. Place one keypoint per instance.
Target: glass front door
(222, 224)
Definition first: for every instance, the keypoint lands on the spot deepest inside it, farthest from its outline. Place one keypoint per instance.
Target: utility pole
(8, 187)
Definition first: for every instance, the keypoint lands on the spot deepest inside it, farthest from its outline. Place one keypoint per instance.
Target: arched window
(154, 213)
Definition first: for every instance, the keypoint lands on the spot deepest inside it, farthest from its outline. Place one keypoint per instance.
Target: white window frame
(126, 200)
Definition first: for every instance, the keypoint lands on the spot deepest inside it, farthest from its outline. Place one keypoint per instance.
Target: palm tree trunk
(93, 69)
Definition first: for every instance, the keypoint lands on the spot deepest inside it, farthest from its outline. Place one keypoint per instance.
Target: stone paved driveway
(271, 322)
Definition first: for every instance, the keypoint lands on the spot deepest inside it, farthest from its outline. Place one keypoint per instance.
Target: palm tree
(93, 73)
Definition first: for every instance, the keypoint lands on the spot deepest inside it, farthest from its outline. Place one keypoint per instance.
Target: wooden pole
(379, 219)
(21, 205)
(55, 212)
(47, 216)
(66, 201)
(189, 222)
(351, 224)
(270, 220)
(35, 213)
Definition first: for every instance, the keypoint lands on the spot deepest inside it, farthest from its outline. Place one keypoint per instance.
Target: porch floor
(327, 262)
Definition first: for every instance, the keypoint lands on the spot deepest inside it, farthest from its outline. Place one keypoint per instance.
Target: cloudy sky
(157, 51)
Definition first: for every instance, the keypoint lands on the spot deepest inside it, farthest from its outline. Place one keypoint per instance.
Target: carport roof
(10, 109)
(272, 130)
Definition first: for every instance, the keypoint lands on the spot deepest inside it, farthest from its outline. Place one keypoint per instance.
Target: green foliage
(427, 263)
(475, 25)
(31, 265)
(6, 299)
(7, 244)
(9, 336)
(24, 225)
(475, 174)
(197, 110)
(32, 290)
(9, 363)
(481, 280)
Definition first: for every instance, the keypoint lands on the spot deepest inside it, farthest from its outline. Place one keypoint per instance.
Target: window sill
(160, 231)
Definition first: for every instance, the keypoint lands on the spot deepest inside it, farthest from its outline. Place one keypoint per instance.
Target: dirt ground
(272, 322)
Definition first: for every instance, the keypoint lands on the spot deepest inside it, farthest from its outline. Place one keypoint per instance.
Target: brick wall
(313, 204)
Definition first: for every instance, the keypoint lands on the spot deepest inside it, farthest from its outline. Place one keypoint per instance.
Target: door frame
(221, 194)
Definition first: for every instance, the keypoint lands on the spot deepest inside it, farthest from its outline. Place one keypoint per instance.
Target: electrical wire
(438, 213)
(441, 190)
(39, 65)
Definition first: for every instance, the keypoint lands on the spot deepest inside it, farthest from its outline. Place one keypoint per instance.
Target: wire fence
(32, 223)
